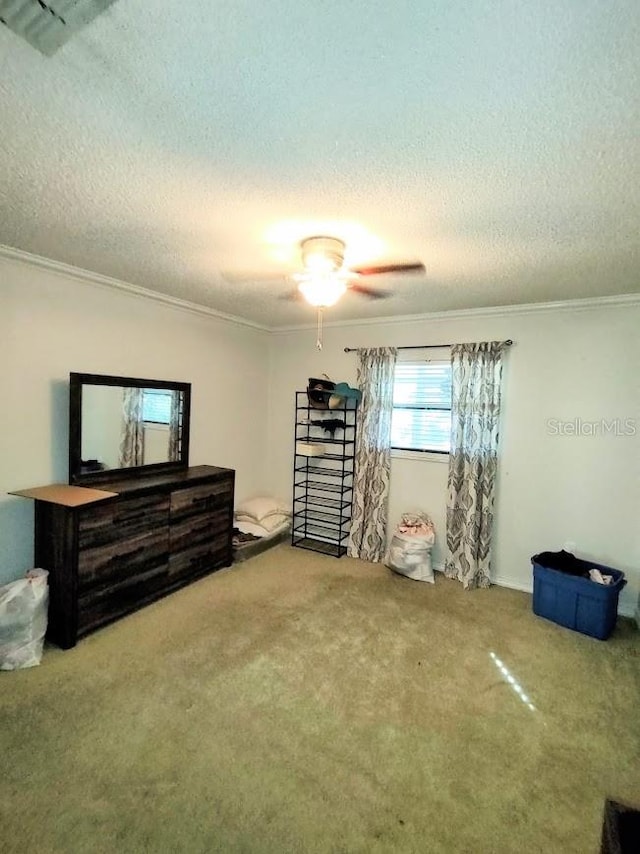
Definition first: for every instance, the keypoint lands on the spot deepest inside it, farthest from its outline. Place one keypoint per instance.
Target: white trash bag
(23, 620)
(410, 548)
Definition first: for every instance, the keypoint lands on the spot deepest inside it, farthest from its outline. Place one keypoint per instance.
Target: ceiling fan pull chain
(319, 335)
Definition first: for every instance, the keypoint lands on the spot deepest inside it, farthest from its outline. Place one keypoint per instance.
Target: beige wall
(51, 324)
(553, 490)
(567, 363)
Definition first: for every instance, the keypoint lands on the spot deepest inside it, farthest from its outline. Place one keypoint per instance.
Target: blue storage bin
(575, 602)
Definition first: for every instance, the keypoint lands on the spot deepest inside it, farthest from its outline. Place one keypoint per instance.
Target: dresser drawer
(100, 524)
(199, 499)
(117, 561)
(200, 559)
(99, 606)
(199, 529)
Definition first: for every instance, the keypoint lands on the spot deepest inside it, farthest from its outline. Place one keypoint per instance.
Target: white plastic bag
(411, 556)
(410, 548)
(23, 620)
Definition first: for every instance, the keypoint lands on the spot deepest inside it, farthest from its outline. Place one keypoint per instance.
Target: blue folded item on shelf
(344, 390)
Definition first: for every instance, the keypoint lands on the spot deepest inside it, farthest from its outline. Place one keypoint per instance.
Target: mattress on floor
(265, 539)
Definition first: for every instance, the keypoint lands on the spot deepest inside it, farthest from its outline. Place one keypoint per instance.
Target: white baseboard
(502, 581)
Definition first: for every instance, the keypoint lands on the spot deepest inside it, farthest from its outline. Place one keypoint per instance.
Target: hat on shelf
(319, 391)
(342, 392)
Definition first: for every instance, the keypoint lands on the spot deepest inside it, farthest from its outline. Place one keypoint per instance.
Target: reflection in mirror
(126, 425)
(130, 427)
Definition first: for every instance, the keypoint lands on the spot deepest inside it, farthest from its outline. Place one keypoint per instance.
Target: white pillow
(260, 508)
(252, 528)
(277, 520)
(269, 523)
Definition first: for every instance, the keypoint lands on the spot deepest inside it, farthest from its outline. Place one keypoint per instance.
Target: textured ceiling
(190, 149)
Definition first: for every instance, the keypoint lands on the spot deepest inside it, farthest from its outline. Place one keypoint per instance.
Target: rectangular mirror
(125, 426)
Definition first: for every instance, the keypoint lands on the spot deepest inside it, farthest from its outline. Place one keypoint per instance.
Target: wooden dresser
(112, 549)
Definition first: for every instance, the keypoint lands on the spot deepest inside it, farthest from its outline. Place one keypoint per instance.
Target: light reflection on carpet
(512, 681)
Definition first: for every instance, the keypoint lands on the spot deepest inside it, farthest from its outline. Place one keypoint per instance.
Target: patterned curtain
(368, 534)
(473, 461)
(132, 435)
(174, 426)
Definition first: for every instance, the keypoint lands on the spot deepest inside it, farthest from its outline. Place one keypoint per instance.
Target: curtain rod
(508, 343)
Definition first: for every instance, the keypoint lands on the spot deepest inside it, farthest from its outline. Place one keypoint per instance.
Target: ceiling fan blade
(370, 293)
(379, 269)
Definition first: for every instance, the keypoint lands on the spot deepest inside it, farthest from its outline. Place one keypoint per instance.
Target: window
(422, 407)
(156, 406)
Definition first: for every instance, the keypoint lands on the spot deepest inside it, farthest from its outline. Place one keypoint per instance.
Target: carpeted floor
(298, 703)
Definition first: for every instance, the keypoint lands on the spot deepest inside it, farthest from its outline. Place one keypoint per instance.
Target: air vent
(48, 25)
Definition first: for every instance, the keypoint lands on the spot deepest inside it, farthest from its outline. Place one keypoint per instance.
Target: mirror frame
(76, 383)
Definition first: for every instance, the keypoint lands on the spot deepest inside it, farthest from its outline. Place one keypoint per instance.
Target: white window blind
(156, 406)
(422, 407)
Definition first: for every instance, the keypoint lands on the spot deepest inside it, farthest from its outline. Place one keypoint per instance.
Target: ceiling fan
(325, 279)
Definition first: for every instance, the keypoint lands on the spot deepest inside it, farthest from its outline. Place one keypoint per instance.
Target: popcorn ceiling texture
(496, 142)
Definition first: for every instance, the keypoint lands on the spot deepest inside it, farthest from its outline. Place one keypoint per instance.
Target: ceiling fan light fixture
(317, 262)
(322, 291)
(322, 254)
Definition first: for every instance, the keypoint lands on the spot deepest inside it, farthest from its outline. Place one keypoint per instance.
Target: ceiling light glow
(283, 240)
(322, 291)
(318, 263)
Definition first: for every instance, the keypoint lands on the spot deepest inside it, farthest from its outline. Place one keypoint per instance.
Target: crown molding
(87, 276)
(585, 304)
(79, 274)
